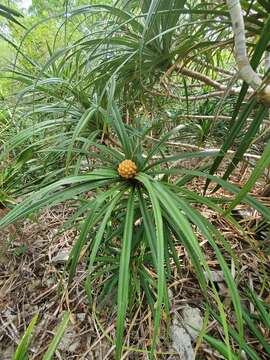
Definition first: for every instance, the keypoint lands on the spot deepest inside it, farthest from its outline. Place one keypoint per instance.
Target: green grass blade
(57, 337)
(247, 348)
(220, 347)
(21, 351)
(255, 330)
(264, 314)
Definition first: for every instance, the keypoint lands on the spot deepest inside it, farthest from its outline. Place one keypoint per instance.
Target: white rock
(216, 276)
(181, 342)
(170, 295)
(192, 321)
(185, 329)
(81, 316)
(243, 355)
(69, 341)
(61, 257)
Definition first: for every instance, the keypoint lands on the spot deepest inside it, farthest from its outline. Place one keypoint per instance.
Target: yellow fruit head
(127, 169)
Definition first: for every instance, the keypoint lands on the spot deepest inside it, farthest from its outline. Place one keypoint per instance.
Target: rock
(243, 355)
(217, 276)
(192, 321)
(185, 329)
(170, 295)
(61, 257)
(81, 316)
(181, 342)
(69, 342)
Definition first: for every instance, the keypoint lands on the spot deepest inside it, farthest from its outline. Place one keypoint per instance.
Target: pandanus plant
(138, 221)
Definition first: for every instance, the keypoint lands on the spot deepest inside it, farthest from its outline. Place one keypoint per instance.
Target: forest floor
(33, 280)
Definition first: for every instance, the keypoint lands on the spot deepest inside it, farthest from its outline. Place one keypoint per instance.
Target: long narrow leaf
(160, 255)
(122, 296)
(256, 173)
(21, 351)
(57, 337)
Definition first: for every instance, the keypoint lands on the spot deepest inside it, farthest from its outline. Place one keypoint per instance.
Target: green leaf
(208, 230)
(117, 124)
(255, 330)
(246, 141)
(21, 351)
(98, 238)
(57, 337)
(10, 14)
(160, 256)
(220, 347)
(261, 46)
(86, 117)
(265, 316)
(149, 227)
(185, 231)
(233, 133)
(158, 145)
(123, 284)
(58, 192)
(256, 174)
(230, 187)
(233, 333)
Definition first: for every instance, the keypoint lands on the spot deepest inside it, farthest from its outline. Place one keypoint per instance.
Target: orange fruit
(127, 169)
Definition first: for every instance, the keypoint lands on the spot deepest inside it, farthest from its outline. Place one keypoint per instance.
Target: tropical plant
(142, 210)
(143, 52)
(143, 217)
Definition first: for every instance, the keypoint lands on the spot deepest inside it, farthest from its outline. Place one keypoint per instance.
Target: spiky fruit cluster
(127, 169)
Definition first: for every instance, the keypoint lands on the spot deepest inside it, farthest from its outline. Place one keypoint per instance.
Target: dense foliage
(85, 87)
